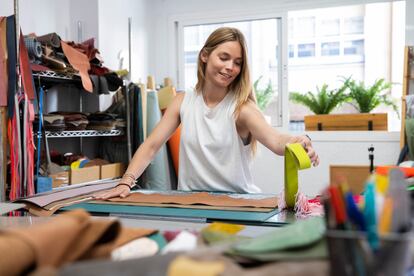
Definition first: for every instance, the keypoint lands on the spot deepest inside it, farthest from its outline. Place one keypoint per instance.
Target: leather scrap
(80, 62)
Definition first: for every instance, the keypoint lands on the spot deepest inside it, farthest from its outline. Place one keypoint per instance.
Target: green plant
(323, 101)
(366, 98)
(263, 96)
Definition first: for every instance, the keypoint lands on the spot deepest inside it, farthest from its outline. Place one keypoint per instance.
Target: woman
(220, 125)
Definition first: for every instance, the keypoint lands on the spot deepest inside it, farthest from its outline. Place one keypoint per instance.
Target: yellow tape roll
(296, 159)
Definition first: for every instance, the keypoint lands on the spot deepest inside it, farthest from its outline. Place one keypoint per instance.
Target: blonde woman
(221, 124)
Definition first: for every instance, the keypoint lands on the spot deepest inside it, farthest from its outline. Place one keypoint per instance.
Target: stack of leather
(104, 121)
(74, 120)
(49, 53)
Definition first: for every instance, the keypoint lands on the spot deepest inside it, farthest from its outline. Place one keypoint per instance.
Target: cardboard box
(84, 175)
(114, 170)
(355, 175)
(59, 179)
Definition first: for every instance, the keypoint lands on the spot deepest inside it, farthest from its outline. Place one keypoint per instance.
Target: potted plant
(366, 98)
(263, 96)
(363, 98)
(323, 102)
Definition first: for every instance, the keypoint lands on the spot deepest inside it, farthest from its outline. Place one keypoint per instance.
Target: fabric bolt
(166, 96)
(70, 236)
(409, 130)
(12, 59)
(144, 101)
(3, 62)
(296, 159)
(80, 62)
(212, 154)
(158, 175)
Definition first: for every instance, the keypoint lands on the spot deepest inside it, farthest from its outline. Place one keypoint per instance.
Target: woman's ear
(204, 55)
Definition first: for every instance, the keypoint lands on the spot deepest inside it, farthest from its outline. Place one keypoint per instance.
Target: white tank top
(212, 154)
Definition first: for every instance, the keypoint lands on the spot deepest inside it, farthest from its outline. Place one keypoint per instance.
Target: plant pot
(358, 122)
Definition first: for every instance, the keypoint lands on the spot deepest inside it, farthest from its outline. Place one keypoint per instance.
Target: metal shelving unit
(83, 133)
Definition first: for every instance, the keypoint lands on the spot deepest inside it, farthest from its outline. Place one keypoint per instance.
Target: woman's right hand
(120, 190)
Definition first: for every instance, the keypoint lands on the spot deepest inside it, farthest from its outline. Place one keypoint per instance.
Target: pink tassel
(303, 206)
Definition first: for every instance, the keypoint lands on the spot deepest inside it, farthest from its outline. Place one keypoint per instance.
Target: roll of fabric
(158, 175)
(34, 48)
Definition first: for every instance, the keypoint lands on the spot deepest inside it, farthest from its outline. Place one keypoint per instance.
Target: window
(342, 42)
(329, 27)
(263, 40)
(330, 49)
(306, 50)
(354, 25)
(354, 47)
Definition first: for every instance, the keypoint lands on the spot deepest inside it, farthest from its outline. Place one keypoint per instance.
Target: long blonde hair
(241, 86)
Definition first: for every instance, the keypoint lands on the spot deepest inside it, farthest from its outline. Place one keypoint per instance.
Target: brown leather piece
(199, 198)
(25, 70)
(68, 237)
(3, 63)
(51, 39)
(80, 62)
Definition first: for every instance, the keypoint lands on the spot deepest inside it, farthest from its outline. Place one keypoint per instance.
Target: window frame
(177, 24)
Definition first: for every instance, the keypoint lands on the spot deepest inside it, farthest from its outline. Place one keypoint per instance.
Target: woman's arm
(146, 152)
(251, 120)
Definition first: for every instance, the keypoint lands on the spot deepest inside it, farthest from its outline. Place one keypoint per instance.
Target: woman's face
(223, 64)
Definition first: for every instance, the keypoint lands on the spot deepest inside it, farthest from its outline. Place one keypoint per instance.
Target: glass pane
(262, 43)
(305, 27)
(329, 27)
(354, 47)
(330, 49)
(354, 25)
(306, 50)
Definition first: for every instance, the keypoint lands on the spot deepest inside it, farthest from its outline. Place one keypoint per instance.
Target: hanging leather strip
(296, 159)
(11, 59)
(29, 168)
(26, 72)
(80, 62)
(3, 63)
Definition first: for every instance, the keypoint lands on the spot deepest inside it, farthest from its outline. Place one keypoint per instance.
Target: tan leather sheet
(194, 206)
(204, 198)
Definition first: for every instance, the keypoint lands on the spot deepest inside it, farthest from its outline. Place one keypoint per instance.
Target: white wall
(113, 34)
(40, 16)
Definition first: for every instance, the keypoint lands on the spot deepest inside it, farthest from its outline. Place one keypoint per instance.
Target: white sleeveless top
(212, 155)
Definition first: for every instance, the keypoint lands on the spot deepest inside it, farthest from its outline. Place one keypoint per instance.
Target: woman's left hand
(307, 145)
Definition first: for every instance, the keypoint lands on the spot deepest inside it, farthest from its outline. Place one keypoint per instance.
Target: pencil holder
(351, 254)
